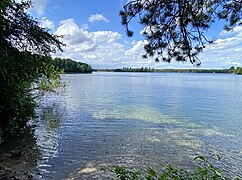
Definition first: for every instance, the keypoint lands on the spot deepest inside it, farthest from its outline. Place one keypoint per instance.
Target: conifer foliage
(175, 29)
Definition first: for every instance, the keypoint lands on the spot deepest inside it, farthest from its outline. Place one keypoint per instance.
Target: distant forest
(237, 70)
(70, 66)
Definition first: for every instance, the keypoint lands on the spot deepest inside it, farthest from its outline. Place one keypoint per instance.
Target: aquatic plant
(204, 170)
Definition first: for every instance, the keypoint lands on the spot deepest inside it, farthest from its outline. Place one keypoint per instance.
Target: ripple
(138, 121)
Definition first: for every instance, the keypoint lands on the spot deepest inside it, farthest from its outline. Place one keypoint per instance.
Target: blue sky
(93, 33)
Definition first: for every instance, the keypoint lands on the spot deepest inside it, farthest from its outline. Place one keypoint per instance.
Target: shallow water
(135, 120)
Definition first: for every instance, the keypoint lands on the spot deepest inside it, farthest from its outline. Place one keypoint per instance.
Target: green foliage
(25, 64)
(238, 70)
(231, 69)
(124, 174)
(50, 79)
(205, 170)
(176, 29)
(70, 66)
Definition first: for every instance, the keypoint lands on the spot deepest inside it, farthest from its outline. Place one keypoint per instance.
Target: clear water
(136, 120)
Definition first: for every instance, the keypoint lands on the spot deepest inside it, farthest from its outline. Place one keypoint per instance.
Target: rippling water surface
(138, 120)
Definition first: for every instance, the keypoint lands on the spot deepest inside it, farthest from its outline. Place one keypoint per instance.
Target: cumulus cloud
(76, 38)
(236, 30)
(108, 49)
(45, 23)
(102, 49)
(38, 6)
(92, 47)
(225, 44)
(231, 63)
(137, 49)
(98, 17)
(225, 51)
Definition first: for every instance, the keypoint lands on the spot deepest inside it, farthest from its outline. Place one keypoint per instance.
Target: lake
(134, 120)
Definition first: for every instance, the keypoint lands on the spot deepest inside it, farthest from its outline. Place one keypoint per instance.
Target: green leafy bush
(25, 66)
(204, 171)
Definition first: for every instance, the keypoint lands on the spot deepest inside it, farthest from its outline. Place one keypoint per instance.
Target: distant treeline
(237, 70)
(70, 66)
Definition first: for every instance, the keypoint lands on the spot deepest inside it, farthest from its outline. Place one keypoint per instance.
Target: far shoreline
(149, 70)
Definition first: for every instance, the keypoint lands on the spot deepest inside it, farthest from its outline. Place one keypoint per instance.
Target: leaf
(219, 157)
(176, 178)
(163, 177)
(198, 169)
(218, 173)
(200, 158)
(151, 172)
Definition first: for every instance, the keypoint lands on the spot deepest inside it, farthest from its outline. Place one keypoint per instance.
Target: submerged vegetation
(27, 69)
(205, 170)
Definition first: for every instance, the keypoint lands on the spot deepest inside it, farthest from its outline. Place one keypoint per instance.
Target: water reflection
(141, 120)
(180, 138)
(138, 120)
(31, 150)
(20, 152)
(50, 116)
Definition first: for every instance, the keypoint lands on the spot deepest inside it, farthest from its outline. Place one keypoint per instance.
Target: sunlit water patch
(138, 120)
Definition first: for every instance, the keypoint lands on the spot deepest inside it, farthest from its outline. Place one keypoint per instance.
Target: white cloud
(235, 30)
(38, 6)
(137, 49)
(45, 23)
(77, 39)
(150, 29)
(56, 7)
(225, 44)
(100, 48)
(233, 63)
(107, 49)
(98, 17)
(222, 53)
(106, 36)
(225, 51)
(19, 1)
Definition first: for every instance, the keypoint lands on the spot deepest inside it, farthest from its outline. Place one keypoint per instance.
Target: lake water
(136, 120)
